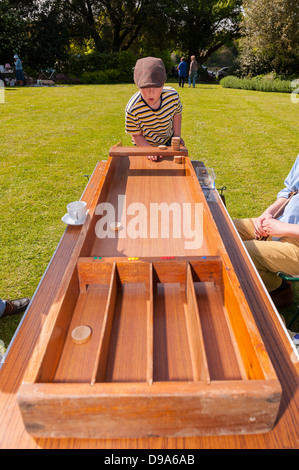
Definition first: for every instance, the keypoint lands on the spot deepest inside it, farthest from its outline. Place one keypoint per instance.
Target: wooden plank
(100, 363)
(249, 349)
(117, 151)
(150, 329)
(208, 269)
(196, 339)
(91, 271)
(198, 409)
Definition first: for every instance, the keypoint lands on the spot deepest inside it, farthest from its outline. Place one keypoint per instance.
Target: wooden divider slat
(100, 363)
(196, 340)
(250, 357)
(150, 329)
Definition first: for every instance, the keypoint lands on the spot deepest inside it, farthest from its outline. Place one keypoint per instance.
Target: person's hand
(154, 158)
(259, 230)
(274, 228)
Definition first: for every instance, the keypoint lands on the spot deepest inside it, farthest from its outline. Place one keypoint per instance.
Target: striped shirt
(156, 125)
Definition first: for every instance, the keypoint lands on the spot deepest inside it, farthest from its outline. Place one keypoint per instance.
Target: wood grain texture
(285, 431)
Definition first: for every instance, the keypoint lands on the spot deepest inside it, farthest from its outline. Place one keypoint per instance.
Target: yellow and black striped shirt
(156, 125)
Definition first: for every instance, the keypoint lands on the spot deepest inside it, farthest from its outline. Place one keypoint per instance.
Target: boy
(154, 113)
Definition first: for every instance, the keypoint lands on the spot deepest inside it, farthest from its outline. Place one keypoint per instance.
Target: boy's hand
(154, 158)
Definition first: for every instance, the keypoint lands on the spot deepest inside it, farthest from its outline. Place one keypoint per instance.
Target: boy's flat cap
(149, 72)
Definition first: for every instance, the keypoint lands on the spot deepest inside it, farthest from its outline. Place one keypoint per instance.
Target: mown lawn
(51, 137)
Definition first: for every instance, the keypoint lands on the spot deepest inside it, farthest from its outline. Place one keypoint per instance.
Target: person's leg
(191, 79)
(245, 228)
(2, 307)
(13, 307)
(270, 257)
(194, 79)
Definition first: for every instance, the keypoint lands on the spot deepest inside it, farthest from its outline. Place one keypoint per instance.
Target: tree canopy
(49, 26)
(47, 32)
(270, 36)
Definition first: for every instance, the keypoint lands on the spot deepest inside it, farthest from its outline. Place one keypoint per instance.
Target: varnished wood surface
(285, 433)
(148, 184)
(119, 151)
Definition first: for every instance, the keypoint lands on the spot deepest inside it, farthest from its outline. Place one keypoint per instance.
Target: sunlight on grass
(52, 137)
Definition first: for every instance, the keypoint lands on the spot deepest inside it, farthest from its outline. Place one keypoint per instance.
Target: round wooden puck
(115, 226)
(162, 147)
(81, 334)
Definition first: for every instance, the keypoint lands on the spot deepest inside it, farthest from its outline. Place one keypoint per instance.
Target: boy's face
(152, 96)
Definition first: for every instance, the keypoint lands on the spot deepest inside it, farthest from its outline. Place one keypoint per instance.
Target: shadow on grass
(288, 312)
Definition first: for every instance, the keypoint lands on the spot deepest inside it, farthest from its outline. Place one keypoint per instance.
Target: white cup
(77, 210)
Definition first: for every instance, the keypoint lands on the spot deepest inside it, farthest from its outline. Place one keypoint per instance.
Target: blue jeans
(192, 78)
(2, 307)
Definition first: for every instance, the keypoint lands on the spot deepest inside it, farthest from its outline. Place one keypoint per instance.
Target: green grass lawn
(52, 137)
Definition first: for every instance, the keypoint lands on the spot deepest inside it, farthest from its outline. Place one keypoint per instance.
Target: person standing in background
(193, 71)
(19, 70)
(183, 71)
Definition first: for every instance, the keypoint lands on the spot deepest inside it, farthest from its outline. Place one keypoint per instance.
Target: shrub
(260, 83)
(90, 66)
(62, 78)
(101, 77)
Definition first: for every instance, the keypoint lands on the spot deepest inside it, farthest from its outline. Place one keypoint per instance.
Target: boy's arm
(177, 124)
(140, 140)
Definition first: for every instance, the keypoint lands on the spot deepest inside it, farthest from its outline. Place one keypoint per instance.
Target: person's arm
(276, 228)
(141, 141)
(177, 124)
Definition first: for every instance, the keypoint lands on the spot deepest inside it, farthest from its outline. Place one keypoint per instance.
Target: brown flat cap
(149, 72)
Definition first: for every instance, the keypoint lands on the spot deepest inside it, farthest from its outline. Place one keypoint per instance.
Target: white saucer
(69, 221)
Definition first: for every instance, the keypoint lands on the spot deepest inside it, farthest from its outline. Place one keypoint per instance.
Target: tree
(44, 29)
(270, 39)
(49, 39)
(201, 27)
(13, 36)
(120, 21)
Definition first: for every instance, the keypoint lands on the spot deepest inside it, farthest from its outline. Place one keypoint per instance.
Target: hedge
(258, 84)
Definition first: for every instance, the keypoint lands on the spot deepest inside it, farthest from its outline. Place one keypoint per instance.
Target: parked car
(224, 72)
(205, 74)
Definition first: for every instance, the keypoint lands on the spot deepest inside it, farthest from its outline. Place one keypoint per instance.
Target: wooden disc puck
(81, 334)
(162, 147)
(115, 226)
